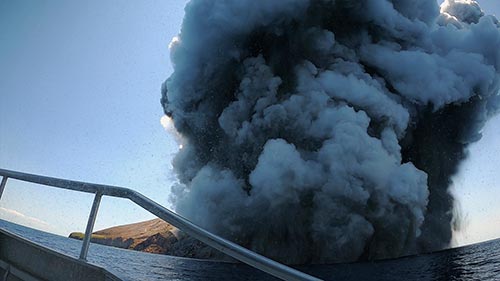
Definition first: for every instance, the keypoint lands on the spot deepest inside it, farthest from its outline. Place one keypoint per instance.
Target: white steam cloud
(325, 131)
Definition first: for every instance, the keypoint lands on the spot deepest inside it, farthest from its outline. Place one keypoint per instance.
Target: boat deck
(25, 258)
(21, 259)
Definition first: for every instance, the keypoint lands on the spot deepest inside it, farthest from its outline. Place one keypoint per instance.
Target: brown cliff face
(153, 236)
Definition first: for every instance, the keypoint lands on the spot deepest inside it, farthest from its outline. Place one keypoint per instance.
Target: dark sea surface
(474, 262)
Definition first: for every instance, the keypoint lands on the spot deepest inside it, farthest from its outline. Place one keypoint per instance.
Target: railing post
(90, 226)
(251, 258)
(2, 185)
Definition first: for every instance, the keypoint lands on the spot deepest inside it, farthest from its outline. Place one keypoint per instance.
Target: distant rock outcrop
(153, 236)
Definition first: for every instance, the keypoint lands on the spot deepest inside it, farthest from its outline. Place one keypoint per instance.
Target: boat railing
(225, 246)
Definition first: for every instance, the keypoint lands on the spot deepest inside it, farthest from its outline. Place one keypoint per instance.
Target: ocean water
(474, 262)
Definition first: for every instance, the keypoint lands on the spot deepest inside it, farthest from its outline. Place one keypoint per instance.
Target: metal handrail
(225, 246)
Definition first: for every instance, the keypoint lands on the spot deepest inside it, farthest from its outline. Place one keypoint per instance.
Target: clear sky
(79, 99)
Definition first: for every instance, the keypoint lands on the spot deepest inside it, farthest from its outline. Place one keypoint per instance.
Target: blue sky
(79, 99)
(80, 89)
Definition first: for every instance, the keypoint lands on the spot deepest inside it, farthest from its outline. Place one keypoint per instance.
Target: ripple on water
(474, 262)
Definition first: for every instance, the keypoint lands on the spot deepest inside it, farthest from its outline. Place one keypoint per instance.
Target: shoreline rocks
(153, 236)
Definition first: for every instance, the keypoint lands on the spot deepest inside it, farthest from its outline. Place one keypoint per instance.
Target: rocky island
(152, 236)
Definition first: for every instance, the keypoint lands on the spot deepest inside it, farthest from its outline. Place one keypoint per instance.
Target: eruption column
(325, 131)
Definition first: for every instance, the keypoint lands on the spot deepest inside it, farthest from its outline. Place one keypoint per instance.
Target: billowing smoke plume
(328, 130)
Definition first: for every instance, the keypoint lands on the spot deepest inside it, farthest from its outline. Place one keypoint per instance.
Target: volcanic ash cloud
(325, 131)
